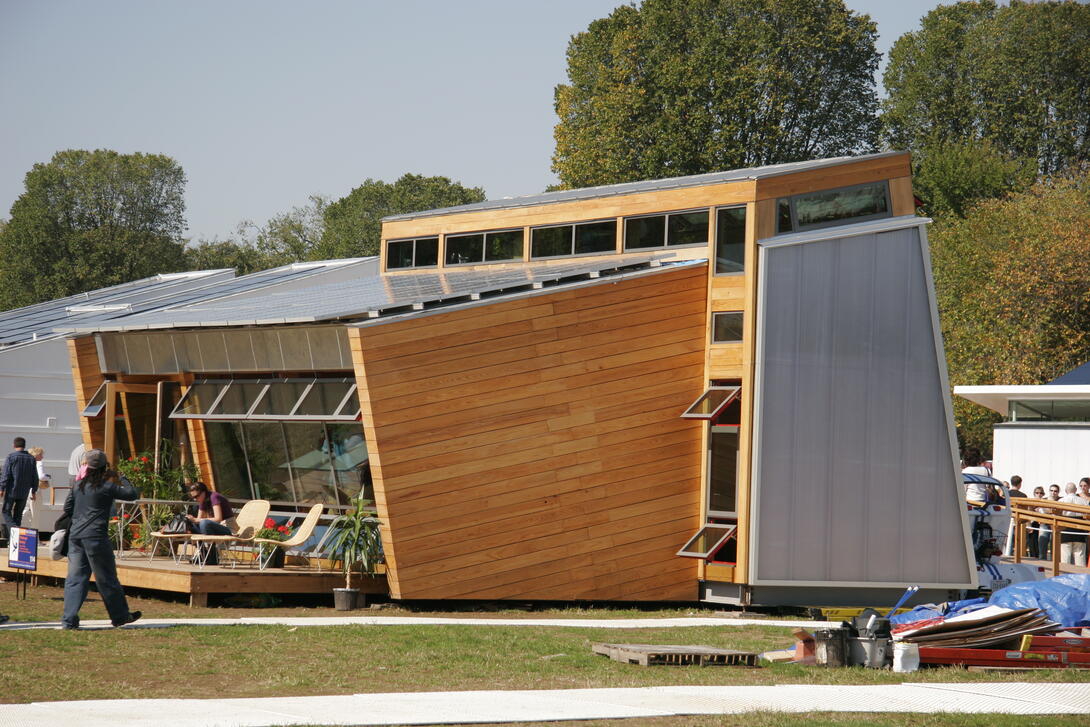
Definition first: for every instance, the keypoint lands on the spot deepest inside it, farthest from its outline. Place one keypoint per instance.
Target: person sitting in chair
(213, 511)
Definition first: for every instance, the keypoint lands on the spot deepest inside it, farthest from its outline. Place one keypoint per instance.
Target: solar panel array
(376, 296)
(109, 305)
(612, 190)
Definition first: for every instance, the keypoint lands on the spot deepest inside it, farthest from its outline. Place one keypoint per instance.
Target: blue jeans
(86, 556)
(1043, 541)
(211, 527)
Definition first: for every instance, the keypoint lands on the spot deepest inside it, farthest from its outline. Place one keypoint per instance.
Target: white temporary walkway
(575, 623)
(549, 705)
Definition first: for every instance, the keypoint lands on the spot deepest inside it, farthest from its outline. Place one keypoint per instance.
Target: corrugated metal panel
(855, 475)
(650, 185)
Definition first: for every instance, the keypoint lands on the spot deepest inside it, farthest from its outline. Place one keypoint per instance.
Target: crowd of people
(1040, 539)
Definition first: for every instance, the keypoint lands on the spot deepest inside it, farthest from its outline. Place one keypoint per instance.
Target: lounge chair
(302, 534)
(248, 521)
(174, 543)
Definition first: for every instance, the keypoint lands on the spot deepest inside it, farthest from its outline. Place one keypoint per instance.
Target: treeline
(993, 102)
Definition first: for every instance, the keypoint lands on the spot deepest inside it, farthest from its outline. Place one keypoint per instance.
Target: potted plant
(272, 531)
(356, 543)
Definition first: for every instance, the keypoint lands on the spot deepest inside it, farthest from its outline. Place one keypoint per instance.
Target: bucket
(831, 647)
(873, 653)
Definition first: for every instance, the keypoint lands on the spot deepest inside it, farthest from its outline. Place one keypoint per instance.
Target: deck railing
(1024, 510)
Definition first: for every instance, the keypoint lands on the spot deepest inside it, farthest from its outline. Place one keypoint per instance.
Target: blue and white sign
(23, 549)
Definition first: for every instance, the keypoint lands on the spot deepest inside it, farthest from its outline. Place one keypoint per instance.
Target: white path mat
(550, 705)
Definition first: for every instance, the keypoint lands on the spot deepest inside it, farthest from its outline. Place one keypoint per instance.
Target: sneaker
(133, 616)
(69, 627)
(3, 618)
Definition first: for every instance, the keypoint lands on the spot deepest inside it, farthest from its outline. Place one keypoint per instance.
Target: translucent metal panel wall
(855, 476)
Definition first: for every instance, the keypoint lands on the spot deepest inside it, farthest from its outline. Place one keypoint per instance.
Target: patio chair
(248, 521)
(174, 543)
(301, 535)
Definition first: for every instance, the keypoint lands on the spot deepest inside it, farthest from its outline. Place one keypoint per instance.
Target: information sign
(23, 549)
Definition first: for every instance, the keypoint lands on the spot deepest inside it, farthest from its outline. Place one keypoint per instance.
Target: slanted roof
(612, 190)
(1077, 375)
(37, 322)
(372, 297)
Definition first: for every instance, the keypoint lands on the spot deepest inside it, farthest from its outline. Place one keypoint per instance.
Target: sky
(266, 102)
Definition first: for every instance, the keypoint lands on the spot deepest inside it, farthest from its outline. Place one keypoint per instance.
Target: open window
(97, 403)
(270, 399)
(709, 541)
(712, 402)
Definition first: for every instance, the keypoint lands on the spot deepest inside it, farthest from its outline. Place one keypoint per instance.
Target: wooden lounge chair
(248, 521)
(174, 543)
(302, 534)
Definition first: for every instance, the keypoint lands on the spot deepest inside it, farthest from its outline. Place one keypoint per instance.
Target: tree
(353, 223)
(1015, 76)
(90, 219)
(216, 254)
(678, 87)
(1010, 280)
(952, 176)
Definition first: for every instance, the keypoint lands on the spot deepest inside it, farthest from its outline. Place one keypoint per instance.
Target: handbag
(178, 525)
(58, 544)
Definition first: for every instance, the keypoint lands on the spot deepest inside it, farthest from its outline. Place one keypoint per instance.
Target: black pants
(13, 511)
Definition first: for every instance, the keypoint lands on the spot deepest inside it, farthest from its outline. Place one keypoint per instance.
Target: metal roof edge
(870, 227)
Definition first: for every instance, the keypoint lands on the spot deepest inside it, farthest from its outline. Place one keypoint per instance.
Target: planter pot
(347, 599)
(277, 560)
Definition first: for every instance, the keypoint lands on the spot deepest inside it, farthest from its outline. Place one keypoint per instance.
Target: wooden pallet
(669, 655)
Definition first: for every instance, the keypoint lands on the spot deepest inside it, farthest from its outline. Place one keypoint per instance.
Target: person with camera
(89, 547)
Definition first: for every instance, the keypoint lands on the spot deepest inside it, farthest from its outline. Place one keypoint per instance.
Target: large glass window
(199, 399)
(577, 239)
(730, 240)
(834, 206)
(267, 454)
(483, 247)
(1029, 410)
(225, 442)
(673, 228)
(723, 471)
(350, 466)
(309, 462)
(421, 252)
(238, 398)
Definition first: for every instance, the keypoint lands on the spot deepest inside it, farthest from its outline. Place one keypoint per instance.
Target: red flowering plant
(272, 531)
(165, 484)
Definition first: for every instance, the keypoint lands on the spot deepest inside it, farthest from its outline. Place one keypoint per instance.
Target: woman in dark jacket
(89, 547)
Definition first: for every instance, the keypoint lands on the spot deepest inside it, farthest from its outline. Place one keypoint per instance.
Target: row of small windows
(670, 229)
(582, 238)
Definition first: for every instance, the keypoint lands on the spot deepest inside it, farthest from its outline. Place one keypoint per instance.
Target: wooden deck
(134, 570)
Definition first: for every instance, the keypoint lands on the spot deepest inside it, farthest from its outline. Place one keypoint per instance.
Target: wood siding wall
(86, 378)
(532, 449)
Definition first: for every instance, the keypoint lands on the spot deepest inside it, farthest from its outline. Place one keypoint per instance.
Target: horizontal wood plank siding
(86, 378)
(533, 448)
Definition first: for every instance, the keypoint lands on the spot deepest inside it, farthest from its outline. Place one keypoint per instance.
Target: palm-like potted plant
(356, 543)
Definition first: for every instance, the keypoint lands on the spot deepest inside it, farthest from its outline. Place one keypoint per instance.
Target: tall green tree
(1011, 285)
(1014, 76)
(676, 87)
(352, 224)
(90, 219)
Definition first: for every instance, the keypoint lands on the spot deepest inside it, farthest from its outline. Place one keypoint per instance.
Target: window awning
(712, 402)
(707, 540)
(270, 400)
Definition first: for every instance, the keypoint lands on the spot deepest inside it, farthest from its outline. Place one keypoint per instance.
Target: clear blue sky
(266, 102)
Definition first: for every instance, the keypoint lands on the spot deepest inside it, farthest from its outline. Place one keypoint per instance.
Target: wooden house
(726, 387)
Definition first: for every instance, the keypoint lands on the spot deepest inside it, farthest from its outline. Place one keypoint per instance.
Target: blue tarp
(933, 610)
(1065, 598)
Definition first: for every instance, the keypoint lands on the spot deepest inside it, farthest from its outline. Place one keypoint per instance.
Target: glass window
(427, 252)
(225, 442)
(309, 462)
(1049, 410)
(280, 399)
(324, 398)
(687, 228)
(199, 398)
(642, 232)
(727, 327)
(506, 245)
(419, 253)
(465, 249)
(97, 403)
(596, 237)
(832, 206)
(707, 540)
(711, 402)
(730, 240)
(238, 398)
(723, 471)
(350, 463)
(399, 254)
(268, 458)
(551, 241)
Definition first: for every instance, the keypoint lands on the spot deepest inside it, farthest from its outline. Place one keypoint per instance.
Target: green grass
(260, 661)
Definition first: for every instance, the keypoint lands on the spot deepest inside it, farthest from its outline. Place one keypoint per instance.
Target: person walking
(89, 547)
(18, 481)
